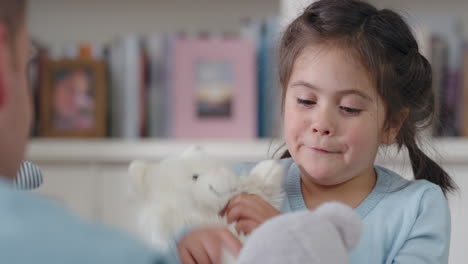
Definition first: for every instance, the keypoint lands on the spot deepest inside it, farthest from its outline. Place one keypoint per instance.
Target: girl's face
(333, 116)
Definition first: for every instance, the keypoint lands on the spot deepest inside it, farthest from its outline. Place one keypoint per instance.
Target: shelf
(117, 151)
(450, 150)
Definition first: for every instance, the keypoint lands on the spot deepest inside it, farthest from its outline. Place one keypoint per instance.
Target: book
(125, 93)
(439, 57)
(464, 103)
(158, 47)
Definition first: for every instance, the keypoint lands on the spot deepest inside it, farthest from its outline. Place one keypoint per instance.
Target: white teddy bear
(189, 192)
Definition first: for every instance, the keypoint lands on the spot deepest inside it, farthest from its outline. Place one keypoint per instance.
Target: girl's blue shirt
(403, 221)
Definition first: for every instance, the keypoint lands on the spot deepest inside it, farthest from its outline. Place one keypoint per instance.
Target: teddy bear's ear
(193, 151)
(137, 172)
(347, 222)
(137, 168)
(269, 172)
(265, 180)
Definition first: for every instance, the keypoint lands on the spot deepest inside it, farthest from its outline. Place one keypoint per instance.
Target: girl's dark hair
(384, 44)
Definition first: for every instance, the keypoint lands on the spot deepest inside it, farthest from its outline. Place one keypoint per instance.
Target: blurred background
(115, 80)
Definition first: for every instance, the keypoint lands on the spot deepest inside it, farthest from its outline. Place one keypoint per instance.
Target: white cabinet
(90, 177)
(458, 206)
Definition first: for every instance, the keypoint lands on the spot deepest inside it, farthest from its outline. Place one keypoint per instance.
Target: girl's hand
(249, 210)
(205, 246)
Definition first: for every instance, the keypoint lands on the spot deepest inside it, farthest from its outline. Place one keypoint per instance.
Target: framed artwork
(214, 90)
(73, 99)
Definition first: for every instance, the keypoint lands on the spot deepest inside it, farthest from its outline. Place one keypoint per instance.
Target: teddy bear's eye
(195, 177)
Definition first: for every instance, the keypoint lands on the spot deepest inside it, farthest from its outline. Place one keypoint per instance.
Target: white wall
(434, 7)
(61, 22)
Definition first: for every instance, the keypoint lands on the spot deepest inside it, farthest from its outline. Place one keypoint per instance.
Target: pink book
(214, 91)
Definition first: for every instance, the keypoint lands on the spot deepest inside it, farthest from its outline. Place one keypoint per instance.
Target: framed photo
(214, 88)
(73, 99)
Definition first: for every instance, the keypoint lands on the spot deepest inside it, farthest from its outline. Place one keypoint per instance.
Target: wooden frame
(73, 99)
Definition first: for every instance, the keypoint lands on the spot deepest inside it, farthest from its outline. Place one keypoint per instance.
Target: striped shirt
(29, 176)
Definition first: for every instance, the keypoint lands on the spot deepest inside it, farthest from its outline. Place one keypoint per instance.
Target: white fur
(171, 198)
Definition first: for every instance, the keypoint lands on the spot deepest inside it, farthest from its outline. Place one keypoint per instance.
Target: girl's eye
(350, 110)
(305, 102)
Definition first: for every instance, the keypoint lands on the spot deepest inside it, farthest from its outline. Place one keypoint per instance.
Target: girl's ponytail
(427, 169)
(285, 155)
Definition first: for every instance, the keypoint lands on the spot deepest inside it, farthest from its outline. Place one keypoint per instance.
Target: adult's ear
(3, 64)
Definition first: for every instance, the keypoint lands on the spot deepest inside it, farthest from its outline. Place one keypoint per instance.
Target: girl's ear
(393, 128)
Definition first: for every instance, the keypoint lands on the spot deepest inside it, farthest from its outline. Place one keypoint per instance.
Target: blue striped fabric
(29, 176)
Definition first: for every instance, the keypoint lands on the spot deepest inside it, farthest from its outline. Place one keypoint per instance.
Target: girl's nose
(322, 131)
(322, 124)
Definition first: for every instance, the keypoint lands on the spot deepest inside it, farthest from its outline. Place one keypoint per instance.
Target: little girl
(352, 80)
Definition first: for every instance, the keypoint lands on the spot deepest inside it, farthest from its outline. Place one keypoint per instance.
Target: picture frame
(73, 98)
(214, 91)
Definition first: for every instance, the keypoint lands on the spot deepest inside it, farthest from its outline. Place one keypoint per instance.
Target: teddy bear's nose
(195, 177)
